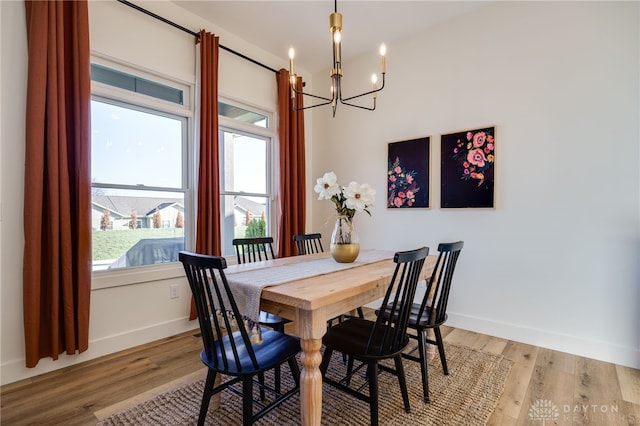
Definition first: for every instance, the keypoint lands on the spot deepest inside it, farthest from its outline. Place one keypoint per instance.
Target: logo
(544, 410)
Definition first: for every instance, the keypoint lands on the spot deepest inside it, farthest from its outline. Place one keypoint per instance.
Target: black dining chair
(431, 313)
(370, 342)
(308, 243)
(231, 353)
(255, 250)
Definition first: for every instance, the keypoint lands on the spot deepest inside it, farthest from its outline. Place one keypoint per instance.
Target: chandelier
(335, 25)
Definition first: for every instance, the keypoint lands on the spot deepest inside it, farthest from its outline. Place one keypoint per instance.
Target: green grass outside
(113, 244)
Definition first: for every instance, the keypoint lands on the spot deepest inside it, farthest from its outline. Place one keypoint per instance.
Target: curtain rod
(186, 30)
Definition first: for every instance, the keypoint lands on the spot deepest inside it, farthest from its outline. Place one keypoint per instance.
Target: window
(243, 115)
(246, 158)
(132, 83)
(139, 170)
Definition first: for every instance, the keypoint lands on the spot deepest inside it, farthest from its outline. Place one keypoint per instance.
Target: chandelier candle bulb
(292, 76)
(374, 81)
(292, 54)
(337, 39)
(383, 52)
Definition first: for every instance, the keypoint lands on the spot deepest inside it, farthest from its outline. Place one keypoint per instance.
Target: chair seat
(419, 321)
(423, 320)
(275, 348)
(266, 318)
(351, 337)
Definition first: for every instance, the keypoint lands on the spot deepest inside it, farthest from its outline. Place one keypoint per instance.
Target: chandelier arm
(359, 96)
(360, 106)
(300, 92)
(342, 100)
(312, 106)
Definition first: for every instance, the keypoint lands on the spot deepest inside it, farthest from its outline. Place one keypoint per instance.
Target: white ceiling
(304, 24)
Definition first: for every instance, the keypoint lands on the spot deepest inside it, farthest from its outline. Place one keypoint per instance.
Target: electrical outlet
(173, 291)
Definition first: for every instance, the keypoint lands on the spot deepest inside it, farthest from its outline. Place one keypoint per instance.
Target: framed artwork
(408, 174)
(467, 168)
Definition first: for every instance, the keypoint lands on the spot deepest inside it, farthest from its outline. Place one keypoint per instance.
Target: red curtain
(57, 199)
(292, 165)
(208, 240)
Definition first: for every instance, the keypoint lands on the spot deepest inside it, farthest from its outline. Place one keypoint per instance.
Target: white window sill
(141, 274)
(136, 275)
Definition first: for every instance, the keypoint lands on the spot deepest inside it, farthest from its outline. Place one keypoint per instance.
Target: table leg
(311, 382)
(432, 350)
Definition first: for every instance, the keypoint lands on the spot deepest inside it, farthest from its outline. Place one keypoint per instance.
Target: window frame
(227, 124)
(122, 97)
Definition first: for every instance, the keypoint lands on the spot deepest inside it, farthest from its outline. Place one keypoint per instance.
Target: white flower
(349, 200)
(327, 186)
(359, 197)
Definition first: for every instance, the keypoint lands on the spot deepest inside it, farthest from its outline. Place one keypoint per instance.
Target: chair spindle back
(308, 243)
(439, 284)
(391, 323)
(253, 249)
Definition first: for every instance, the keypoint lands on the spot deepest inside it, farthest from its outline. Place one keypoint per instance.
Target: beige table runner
(247, 286)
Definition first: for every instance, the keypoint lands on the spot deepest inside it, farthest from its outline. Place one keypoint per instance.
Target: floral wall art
(408, 174)
(467, 168)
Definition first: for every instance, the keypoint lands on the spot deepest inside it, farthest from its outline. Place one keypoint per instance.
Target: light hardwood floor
(582, 391)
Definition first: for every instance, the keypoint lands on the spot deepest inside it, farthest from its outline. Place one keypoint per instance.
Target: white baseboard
(16, 370)
(590, 348)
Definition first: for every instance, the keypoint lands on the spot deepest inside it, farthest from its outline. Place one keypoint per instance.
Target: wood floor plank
(550, 388)
(556, 360)
(628, 414)
(629, 379)
(477, 341)
(445, 330)
(462, 337)
(145, 396)
(597, 393)
(494, 345)
(500, 419)
(550, 384)
(511, 403)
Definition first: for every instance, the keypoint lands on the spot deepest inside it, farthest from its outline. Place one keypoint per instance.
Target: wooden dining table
(309, 302)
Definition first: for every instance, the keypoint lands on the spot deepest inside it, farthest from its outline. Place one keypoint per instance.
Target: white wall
(555, 263)
(13, 88)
